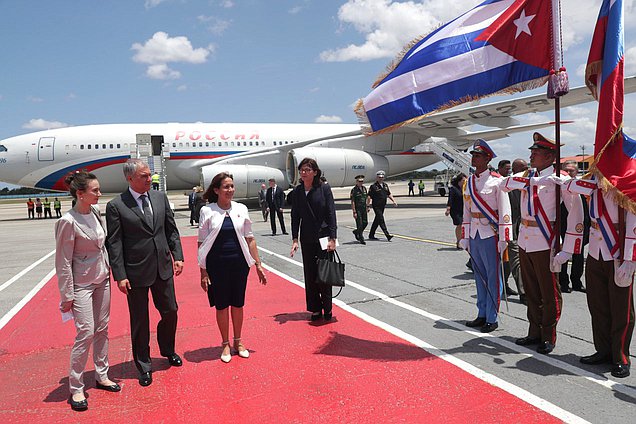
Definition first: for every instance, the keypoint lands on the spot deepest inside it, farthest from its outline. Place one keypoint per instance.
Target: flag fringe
(605, 185)
(365, 124)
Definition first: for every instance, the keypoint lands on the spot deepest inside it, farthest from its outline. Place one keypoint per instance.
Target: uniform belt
(478, 215)
(532, 222)
(594, 225)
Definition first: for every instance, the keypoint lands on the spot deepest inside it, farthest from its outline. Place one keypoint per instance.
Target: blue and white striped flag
(500, 46)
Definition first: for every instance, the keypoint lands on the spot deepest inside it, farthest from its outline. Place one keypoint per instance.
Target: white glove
(624, 275)
(558, 260)
(501, 246)
(552, 178)
(463, 243)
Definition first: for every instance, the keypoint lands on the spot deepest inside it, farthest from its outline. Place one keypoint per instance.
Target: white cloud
(215, 25)
(149, 4)
(161, 49)
(227, 4)
(182, 87)
(41, 124)
(326, 119)
(71, 96)
(295, 10)
(630, 61)
(34, 99)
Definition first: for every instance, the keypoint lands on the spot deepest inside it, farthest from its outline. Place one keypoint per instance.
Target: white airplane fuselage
(42, 159)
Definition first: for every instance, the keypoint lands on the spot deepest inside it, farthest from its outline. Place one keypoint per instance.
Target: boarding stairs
(155, 157)
(450, 156)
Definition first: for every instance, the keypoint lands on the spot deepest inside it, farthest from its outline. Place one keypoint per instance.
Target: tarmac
(397, 351)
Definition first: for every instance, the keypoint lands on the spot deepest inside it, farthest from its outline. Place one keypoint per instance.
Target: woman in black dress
(314, 214)
(455, 205)
(227, 250)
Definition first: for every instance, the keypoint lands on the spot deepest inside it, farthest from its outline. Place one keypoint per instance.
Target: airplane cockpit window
(2, 148)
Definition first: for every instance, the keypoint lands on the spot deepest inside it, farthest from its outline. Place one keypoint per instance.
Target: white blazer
(81, 257)
(210, 222)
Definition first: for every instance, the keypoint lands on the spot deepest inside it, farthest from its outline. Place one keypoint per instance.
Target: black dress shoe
(328, 316)
(523, 299)
(114, 388)
(477, 322)
(489, 327)
(566, 289)
(82, 405)
(545, 347)
(316, 316)
(595, 359)
(361, 240)
(373, 238)
(175, 360)
(389, 237)
(510, 291)
(620, 370)
(285, 233)
(579, 289)
(145, 379)
(526, 341)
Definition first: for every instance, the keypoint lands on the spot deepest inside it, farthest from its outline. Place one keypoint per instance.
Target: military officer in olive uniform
(358, 198)
(378, 193)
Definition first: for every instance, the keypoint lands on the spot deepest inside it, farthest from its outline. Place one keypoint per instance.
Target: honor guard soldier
(536, 238)
(486, 230)
(609, 286)
(358, 198)
(378, 193)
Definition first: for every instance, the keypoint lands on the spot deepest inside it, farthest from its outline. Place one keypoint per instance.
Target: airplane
(255, 152)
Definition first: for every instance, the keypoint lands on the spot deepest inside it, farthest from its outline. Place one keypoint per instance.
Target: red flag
(615, 153)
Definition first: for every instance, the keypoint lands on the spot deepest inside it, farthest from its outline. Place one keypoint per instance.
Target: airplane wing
(499, 114)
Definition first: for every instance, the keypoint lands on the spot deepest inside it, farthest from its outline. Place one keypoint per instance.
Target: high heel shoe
(226, 358)
(238, 346)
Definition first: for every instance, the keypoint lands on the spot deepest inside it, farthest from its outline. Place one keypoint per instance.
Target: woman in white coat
(83, 275)
(227, 250)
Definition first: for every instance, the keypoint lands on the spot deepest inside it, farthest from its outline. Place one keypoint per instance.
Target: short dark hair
(314, 166)
(78, 180)
(503, 163)
(210, 195)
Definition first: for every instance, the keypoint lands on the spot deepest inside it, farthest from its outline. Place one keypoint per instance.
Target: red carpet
(345, 371)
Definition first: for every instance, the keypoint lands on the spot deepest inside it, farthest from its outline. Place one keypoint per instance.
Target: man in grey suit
(143, 240)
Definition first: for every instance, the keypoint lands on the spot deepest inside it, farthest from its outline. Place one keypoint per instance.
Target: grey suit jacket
(139, 252)
(80, 256)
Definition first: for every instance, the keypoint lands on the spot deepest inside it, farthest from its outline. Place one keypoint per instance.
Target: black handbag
(331, 271)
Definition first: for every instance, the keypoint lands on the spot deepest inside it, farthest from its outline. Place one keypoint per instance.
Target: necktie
(146, 208)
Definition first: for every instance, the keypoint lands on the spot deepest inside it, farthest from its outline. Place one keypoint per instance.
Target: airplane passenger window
(180, 144)
(74, 146)
(81, 147)
(111, 146)
(88, 146)
(2, 148)
(174, 144)
(97, 146)
(187, 144)
(226, 144)
(67, 147)
(104, 146)
(207, 144)
(125, 145)
(274, 143)
(251, 143)
(118, 146)
(200, 144)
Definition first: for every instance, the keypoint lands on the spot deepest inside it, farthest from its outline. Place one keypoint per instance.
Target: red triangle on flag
(524, 31)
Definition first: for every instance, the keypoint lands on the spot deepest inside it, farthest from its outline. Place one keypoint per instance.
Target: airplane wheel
(442, 191)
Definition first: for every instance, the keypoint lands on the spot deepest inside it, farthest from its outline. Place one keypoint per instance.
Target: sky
(77, 62)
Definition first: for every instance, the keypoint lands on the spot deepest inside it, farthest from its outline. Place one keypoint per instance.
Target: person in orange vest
(30, 209)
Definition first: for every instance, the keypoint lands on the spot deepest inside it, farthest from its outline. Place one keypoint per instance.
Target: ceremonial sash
(535, 209)
(598, 212)
(478, 201)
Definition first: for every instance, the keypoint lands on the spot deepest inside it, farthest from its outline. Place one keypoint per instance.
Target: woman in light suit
(83, 275)
(227, 250)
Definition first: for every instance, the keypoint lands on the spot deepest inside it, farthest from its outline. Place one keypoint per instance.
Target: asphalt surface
(417, 283)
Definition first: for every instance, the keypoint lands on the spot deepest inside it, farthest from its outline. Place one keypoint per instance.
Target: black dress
(456, 203)
(227, 269)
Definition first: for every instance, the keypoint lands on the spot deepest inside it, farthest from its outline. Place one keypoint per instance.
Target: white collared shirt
(137, 197)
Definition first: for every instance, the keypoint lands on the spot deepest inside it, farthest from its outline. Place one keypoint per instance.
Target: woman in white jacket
(83, 276)
(227, 250)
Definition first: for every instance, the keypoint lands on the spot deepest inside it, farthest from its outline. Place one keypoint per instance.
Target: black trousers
(575, 274)
(317, 296)
(163, 296)
(272, 220)
(378, 220)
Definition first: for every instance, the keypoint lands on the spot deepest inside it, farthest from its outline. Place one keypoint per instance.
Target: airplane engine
(339, 166)
(247, 178)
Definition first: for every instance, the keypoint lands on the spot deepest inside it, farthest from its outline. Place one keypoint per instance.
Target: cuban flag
(500, 46)
(614, 152)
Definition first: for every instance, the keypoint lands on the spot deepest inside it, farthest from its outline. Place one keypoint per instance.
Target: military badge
(506, 219)
(579, 228)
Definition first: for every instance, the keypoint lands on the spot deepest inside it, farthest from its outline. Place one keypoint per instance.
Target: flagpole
(557, 92)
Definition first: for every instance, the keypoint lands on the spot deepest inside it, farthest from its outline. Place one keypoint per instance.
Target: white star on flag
(522, 23)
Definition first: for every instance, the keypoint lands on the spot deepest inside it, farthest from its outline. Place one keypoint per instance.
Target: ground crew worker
(30, 209)
(609, 286)
(57, 205)
(536, 237)
(155, 179)
(358, 198)
(46, 204)
(376, 198)
(421, 187)
(486, 230)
